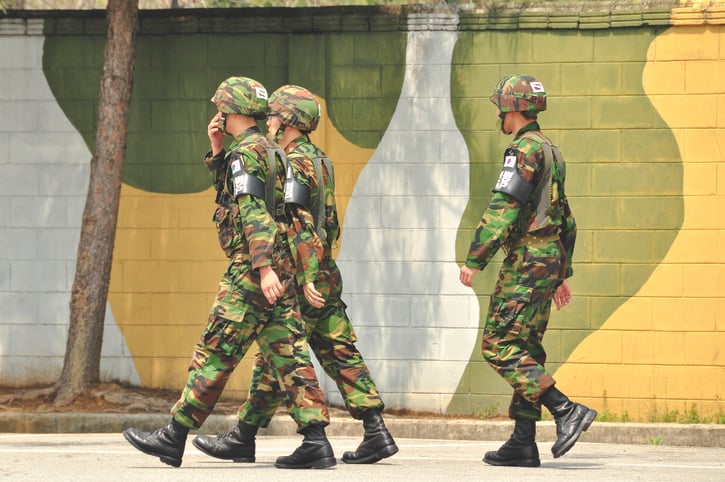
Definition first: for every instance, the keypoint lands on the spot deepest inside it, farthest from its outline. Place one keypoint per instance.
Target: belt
(531, 240)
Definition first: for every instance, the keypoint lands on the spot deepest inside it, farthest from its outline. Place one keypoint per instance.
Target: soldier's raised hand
(216, 135)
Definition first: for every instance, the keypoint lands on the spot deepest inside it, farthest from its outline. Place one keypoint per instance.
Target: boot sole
(246, 460)
(164, 458)
(514, 462)
(323, 463)
(383, 453)
(583, 427)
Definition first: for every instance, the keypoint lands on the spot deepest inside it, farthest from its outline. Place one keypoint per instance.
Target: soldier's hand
(467, 275)
(215, 135)
(562, 296)
(271, 287)
(313, 296)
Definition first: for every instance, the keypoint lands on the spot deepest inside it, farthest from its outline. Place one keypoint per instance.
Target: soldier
(257, 297)
(529, 217)
(310, 197)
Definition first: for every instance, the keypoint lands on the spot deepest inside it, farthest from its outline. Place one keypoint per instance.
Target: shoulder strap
(542, 192)
(318, 210)
(269, 197)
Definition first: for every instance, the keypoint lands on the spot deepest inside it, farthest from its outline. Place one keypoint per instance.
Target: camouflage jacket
(244, 224)
(307, 247)
(505, 220)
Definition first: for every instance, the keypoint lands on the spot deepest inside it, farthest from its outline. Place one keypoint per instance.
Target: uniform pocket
(227, 231)
(507, 314)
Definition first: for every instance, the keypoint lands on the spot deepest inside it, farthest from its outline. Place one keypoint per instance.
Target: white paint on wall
(44, 171)
(415, 322)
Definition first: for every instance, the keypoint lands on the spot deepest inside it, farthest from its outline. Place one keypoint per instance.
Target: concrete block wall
(636, 111)
(44, 171)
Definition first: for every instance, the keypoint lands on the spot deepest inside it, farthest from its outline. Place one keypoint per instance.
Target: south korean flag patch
(509, 168)
(236, 166)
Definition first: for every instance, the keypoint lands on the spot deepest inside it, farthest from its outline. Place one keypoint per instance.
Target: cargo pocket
(224, 218)
(507, 315)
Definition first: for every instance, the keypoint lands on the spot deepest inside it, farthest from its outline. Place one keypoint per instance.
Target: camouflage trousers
(240, 316)
(518, 315)
(332, 338)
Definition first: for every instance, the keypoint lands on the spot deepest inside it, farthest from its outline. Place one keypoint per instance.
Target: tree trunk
(81, 366)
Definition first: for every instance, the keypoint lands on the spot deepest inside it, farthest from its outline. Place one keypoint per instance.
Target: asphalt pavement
(108, 457)
(87, 446)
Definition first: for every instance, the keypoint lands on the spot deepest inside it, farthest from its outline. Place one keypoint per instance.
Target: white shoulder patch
(509, 161)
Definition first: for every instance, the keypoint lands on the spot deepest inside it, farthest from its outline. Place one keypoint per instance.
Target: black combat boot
(520, 450)
(571, 419)
(314, 453)
(237, 445)
(377, 442)
(166, 443)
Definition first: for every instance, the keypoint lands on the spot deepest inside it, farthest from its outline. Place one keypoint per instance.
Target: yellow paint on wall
(664, 365)
(167, 265)
(349, 160)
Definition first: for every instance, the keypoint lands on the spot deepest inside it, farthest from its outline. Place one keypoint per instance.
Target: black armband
(244, 183)
(510, 181)
(295, 192)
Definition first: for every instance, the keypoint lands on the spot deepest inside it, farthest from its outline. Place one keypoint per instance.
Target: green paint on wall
(617, 147)
(363, 82)
(170, 106)
(360, 75)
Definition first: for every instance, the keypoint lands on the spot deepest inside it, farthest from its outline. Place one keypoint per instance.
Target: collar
(303, 139)
(531, 126)
(247, 132)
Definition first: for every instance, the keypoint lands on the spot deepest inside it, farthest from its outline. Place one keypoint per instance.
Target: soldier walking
(529, 217)
(257, 297)
(312, 211)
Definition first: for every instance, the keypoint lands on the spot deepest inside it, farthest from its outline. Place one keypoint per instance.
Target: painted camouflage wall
(637, 104)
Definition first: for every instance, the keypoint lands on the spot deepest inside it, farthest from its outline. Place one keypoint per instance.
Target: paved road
(108, 457)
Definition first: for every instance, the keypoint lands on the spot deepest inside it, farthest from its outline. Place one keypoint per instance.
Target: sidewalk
(669, 434)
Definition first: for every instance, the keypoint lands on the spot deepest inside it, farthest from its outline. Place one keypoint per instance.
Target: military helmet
(241, 95)
(296, 107)
(519, 93)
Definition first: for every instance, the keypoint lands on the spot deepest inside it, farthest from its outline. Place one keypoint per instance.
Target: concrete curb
(670, 434)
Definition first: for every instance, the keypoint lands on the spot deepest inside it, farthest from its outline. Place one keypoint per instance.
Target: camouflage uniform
(538, 258)
(529, 216)
(253, 234)
(251, 239)
(313, 228)
(329, 331)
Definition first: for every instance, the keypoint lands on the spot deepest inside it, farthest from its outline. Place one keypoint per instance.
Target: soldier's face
(506, 121)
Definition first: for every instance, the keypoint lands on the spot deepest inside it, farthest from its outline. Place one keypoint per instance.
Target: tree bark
(81, 366)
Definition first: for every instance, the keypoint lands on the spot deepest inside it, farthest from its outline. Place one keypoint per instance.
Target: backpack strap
(318, 209)
(272, 152)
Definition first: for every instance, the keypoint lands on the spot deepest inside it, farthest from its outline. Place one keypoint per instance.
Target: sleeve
(493, 230)
(305, 245)
(214, 163)
(501, 217)
(256, 223)
(217, 166)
